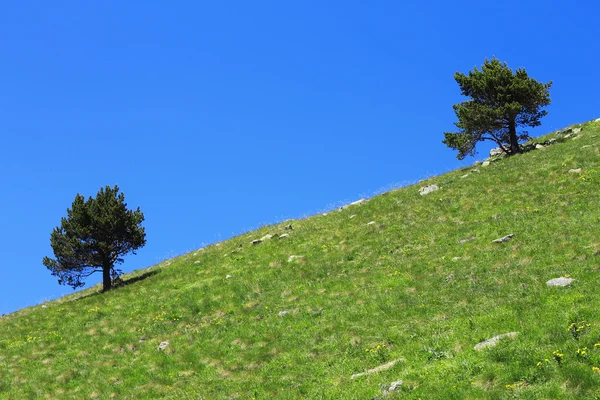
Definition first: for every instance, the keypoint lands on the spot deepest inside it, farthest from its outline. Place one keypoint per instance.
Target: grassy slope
(404, 283)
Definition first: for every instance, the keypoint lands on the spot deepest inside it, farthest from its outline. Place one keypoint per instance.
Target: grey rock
(464, 176)
(575, 171)
(163, 345)
(465, 240)
(288, 227)
(504, 238)
(485, 163)
(494, 341)
(392, 387)
(376, 369)
(256, 241)
(576, 130)
(576, 138)
(428, 189)
(449, 278)
(539, 146)
(283, 236)
(496, 151)
(561, 282)
(283, 313)
(371, 223)
(268, 236)
(475, 170)
(477, 163)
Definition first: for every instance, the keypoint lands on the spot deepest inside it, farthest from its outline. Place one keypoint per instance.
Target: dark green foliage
(93, 238)
(501, 102)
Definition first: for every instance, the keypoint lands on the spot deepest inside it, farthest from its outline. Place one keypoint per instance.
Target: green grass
(361, 295)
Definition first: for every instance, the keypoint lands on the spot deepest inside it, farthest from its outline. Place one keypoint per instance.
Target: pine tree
(501, 101)
(94, 236)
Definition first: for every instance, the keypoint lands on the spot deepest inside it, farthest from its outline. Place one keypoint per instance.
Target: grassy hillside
(401, 277)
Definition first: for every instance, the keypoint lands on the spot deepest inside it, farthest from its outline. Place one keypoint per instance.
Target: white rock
(352, 216)
(562, 281)
(197, 262)
(284, 236)
(428, 189)
(575, 171)
(228, 276)
(266, 237)
(283, 313)
(485, 163)
(504, 238)
(586, 146)
(597, 120)
(376, 369)
(539, 146)
(163, 345)
(464, 176)
(357, 202)
(392, 387)
(494, 341)
(292, 258)
(256, 241)
(576, 130)
(496, 151)
(371, 223)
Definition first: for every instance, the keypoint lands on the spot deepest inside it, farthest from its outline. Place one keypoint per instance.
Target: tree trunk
(514, 140)
(106, 280)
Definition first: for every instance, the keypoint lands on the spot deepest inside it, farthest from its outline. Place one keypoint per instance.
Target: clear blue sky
(219, 117)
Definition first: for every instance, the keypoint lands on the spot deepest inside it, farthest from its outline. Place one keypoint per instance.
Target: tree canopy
(501, 101)
(93, 237)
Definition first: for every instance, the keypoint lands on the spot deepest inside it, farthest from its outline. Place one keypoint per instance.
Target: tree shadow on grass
(118, 283)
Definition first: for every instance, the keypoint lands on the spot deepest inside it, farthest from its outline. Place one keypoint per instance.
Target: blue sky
(219, 117)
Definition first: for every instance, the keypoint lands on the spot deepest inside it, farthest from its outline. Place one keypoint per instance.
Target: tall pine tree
(94, 236)
(501, 102)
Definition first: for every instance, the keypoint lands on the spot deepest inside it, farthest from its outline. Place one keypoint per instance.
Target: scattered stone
(494, 341)
(256, 241)
(485, 163)
(464, 176)
(228, 276)
(455, 259)
(324, 214)
(352, 216)
(586, 146)
(449, 278)
(288, 227)
(562, 281)
(292, 258)
(539, 146)
(283, 236)
(392, 387)
(575, 171)
(477, 163)
(376, 369)
(504, 238)
(44, 306)
(576, 138)
(475, 170)
(357, 202)
(567, 136)
(163, 345)
(283, 313)
(197, 262)
(597, 120)
(268, 236)
(496, 151)
(576, 130)
(428, 189)
(465, 240)
(371, 223)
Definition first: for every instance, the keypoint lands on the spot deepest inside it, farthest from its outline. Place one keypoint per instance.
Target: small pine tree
(94, 236)
(501, 102)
